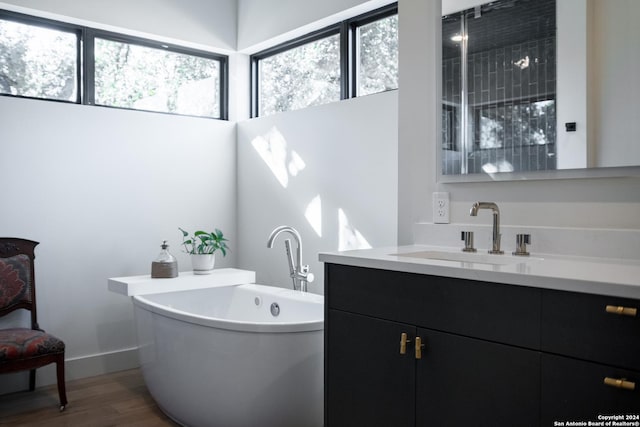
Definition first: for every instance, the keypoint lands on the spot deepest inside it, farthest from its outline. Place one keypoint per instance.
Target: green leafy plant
(202, 242)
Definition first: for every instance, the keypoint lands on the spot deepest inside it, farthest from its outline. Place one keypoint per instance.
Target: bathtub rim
(141, 301)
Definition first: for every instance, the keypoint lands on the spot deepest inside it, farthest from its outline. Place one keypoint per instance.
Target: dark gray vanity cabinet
(489, 355)
(472, 368)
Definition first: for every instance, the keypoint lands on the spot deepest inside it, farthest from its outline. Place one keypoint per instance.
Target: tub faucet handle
(307, 275)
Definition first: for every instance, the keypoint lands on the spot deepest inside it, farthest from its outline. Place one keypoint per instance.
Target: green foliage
(202, 242)
(310, 74)
(301, 77)
(37, 62)
(378, 67)
(138, 77)
(42, 63)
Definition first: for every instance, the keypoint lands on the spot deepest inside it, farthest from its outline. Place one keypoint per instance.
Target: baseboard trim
(75, 368)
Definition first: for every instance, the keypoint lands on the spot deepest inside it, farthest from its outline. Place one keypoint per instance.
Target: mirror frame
(606, 172)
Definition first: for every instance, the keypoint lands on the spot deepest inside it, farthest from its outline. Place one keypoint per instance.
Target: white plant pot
(203, 263)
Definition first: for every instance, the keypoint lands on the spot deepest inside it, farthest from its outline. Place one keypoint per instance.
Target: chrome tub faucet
(299, 273)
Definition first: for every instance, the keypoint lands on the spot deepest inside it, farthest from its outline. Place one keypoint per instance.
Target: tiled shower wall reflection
(511, 115)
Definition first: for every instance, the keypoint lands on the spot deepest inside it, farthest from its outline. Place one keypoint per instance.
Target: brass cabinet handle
(622, 311)
(403, 343)
(620, 383)
(419, 347)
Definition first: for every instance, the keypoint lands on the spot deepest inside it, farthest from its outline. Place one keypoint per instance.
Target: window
(377, 56)
(302, 76)
(355, 57)
(129, 75)
(45, 59)
(38, 61)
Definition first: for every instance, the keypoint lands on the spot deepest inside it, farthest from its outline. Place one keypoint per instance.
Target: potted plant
(202, 246)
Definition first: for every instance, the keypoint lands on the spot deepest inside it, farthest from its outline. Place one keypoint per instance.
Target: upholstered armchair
(25, 348)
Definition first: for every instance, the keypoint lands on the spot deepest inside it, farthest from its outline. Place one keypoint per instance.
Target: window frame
(89, 55)
(314, 36)
(347, 29)
(354, 25)
(85, 60)
(21, 18)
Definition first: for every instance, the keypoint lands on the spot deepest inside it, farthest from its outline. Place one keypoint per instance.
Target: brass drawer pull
(620, 383)
(419, 347)
(403, 343)
(623, 311)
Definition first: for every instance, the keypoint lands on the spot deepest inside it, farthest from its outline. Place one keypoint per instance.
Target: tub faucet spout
(300, 275)
(495, 249)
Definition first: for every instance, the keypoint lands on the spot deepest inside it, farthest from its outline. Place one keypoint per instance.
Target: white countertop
(142, 285)
(599, 276)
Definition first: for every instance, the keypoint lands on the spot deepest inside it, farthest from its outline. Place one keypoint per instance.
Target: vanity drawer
(500, 313)
(592, 327)
(582, 391)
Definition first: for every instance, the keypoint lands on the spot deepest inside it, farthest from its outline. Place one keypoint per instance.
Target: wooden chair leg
(32, 380)
(62, 392)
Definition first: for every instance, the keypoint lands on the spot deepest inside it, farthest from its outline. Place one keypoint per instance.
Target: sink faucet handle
(467, 237)
(522, 240)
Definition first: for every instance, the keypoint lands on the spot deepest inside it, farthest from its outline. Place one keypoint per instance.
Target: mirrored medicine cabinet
(536, 89)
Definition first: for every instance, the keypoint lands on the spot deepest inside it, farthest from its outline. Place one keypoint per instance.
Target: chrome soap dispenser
(165, 266)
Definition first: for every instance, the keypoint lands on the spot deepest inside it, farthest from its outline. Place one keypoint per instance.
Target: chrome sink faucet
(495, 248)
(299, 273)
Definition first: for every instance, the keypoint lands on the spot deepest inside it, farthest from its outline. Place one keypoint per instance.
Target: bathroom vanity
(418, 341)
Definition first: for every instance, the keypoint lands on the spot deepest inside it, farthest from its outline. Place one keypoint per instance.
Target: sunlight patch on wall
(296, 164)
(272, 148)
(348, 236)
(313, 214)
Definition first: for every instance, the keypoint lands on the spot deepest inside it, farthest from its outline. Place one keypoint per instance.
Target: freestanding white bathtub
(218, 357)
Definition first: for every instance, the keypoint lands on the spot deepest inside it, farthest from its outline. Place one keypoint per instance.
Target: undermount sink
(472, 257)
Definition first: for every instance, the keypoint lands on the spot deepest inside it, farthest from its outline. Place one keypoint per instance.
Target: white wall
(348, 151)
(418, 111)
(610, 203)
(101, 188)
(262, 24)
(205, 23)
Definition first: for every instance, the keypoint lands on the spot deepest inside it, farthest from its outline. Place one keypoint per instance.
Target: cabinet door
(469, 382)
(368, 382)
(575, 390)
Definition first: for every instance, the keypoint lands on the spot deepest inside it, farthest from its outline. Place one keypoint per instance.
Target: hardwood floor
(119, 399)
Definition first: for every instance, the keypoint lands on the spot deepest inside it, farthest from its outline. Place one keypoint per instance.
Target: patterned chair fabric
(20, 343)
(15, 280)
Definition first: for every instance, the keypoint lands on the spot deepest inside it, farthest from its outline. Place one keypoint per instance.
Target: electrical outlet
(441, 208)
